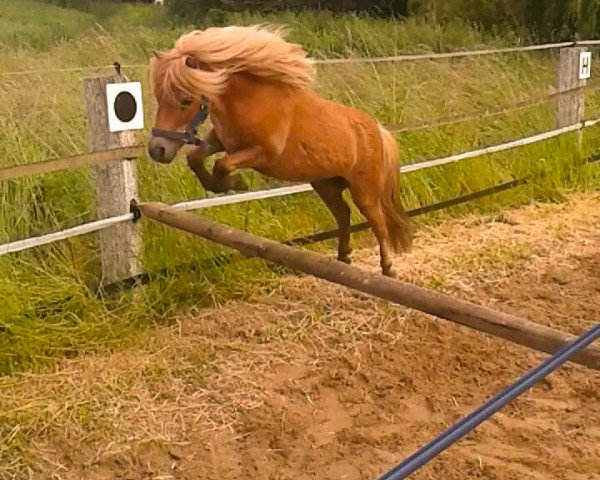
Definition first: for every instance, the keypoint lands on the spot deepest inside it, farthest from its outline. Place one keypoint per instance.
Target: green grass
(49, 306)
(26, 23)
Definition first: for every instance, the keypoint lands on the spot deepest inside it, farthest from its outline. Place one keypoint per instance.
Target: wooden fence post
(570, 108)
(116, 185)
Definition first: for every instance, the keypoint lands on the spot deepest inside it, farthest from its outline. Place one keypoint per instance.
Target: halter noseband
(188, 136)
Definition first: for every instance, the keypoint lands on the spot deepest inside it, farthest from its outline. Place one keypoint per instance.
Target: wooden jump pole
(503, 325)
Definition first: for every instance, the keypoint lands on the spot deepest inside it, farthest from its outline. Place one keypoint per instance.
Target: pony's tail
(398, 222)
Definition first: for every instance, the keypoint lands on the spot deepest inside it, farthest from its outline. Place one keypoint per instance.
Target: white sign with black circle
(125, 107)
(585, 65)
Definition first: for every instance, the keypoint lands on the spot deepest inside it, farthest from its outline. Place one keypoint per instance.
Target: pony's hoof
(239, 184)
(235, 183)
(345, 259)
(217, 190)
(388, 272)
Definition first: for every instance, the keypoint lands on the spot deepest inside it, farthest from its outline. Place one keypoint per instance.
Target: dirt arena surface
(313, 381)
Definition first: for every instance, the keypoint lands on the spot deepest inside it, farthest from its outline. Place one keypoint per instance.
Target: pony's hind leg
(367, 200)
(331, 191)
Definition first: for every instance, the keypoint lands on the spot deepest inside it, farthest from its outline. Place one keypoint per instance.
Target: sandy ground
(314, 381)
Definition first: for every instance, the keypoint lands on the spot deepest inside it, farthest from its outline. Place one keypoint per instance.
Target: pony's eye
(187, 102)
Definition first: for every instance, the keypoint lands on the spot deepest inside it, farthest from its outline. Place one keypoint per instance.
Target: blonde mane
(203, 60)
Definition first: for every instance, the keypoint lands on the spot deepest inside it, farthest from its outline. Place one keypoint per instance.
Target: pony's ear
(192, 62)
(195, 64)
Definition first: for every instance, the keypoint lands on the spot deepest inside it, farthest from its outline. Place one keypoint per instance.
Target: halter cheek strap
(188, 136)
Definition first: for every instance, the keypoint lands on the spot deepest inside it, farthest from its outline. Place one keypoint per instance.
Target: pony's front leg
(248, 158)
(198, 155)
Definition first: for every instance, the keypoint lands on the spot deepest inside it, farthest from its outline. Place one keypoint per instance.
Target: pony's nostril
(157, 152)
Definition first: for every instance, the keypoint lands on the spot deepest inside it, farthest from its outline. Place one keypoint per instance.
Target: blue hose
(459, 430)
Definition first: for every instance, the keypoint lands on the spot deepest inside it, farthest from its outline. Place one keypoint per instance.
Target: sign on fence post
(585, 65)
(116, 184)
(570, 108)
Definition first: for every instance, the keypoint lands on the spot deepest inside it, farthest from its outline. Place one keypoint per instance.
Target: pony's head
(180, 95)
(198, 68)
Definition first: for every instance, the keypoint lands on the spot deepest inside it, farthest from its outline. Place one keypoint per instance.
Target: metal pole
(456, 432)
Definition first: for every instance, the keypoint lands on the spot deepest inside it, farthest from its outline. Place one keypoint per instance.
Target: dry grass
(486, 248)
(204, 373)
(201, 374)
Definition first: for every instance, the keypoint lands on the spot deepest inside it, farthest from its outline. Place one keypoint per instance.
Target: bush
(196, 10)
(538, 19)
(102, 9)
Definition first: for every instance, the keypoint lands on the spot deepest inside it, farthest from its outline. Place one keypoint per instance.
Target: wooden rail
(503, 325)
(56, 164)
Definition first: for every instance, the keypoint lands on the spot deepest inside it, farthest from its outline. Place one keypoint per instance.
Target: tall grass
(26, 23)
(49, 304)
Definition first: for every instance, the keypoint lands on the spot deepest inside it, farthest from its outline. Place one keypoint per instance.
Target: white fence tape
(332, 61)
(63, 234)
(497, 148)
(442, 56)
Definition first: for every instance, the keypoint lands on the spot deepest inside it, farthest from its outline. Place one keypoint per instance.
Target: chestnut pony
(257, 90)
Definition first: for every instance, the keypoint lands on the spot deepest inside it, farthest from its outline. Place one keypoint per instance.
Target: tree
(196, 8)
(544, 20)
